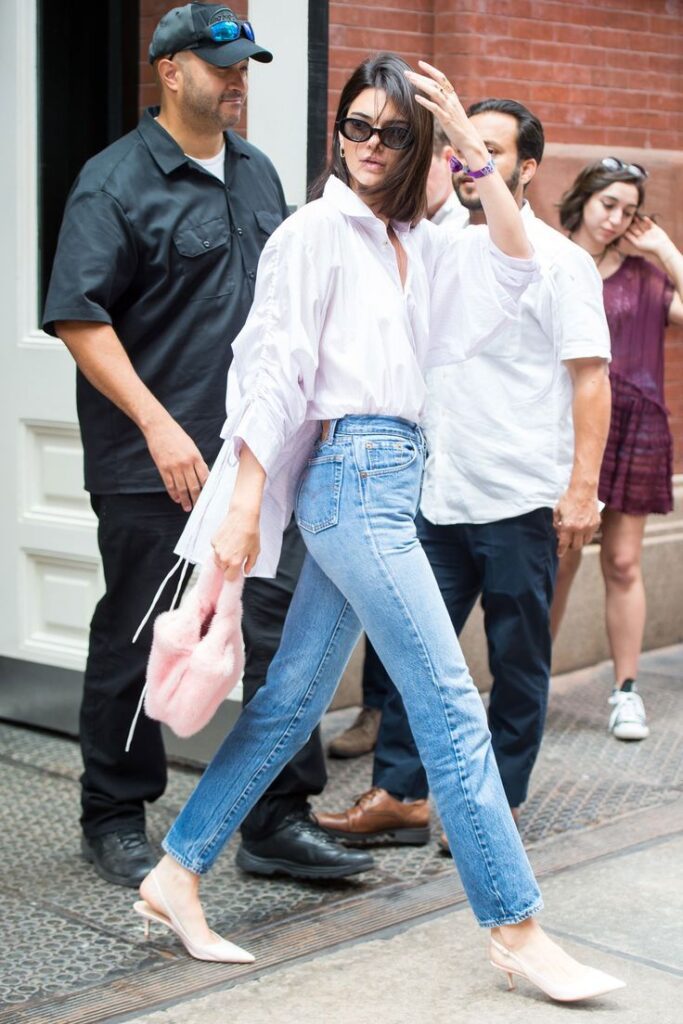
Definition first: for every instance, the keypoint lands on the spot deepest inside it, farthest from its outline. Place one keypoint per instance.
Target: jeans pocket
(388, 455)
(317, 500)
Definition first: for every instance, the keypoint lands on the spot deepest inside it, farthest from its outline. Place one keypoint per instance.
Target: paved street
(604, 827)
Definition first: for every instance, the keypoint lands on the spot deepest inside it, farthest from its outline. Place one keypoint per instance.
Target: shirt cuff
(257, 429)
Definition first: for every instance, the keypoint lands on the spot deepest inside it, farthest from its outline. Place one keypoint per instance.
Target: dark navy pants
(512, 565)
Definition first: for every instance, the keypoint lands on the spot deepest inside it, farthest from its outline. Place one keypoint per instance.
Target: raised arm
(502, 214)
(648, 237)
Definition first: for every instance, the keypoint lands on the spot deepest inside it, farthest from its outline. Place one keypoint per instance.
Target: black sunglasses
(394, 136)
(613, 163)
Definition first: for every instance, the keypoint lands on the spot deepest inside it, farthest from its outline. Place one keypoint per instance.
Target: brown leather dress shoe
(360, 738)
(378, 816)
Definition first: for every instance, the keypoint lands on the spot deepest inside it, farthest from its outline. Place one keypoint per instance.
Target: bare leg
(184, 884)
(567, 569)
(620, 559)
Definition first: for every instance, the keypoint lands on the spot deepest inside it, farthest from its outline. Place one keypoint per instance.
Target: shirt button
(251, 274)
(239, 231)
(207, 243)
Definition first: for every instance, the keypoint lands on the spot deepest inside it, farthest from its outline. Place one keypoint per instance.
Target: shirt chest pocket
(200, 259)
(267, 222)
(195, 240)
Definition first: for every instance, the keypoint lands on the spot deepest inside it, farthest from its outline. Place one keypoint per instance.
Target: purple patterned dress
(636, 474)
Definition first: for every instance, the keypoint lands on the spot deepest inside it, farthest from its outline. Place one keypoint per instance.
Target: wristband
(456, 166)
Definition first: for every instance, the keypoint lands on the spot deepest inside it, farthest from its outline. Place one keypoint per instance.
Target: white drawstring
(142, 625)
(135, 718)
(179, 587)
(156, 598)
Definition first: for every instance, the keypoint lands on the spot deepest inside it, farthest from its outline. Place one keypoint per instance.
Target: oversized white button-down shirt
(499, 426)
(332, 332)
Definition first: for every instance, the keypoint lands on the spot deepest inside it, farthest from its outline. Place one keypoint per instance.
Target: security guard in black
(158, 247)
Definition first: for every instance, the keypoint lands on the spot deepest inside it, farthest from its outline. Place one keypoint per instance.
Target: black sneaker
(122, 858)
(301, 849)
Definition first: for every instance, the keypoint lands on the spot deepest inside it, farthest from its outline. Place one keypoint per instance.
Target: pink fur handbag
(197, 654)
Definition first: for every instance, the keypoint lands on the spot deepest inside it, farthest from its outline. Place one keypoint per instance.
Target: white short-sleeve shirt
(499, 425)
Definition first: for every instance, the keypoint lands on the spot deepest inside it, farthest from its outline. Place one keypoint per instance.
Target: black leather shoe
(301, 849)
(123, 858)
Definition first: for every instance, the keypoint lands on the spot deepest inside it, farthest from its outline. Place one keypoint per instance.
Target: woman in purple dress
(641, 298)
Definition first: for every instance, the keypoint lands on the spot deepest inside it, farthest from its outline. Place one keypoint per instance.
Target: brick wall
(605, 73)
(357, 29)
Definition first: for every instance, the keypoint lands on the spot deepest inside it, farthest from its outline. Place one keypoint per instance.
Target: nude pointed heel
(587, 983)
(220, 951)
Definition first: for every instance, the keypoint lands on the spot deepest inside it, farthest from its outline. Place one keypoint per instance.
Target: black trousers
(136, 536)
(265, 605)
(512, 564)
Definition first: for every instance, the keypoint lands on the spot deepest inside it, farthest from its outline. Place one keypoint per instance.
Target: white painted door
(51, 576)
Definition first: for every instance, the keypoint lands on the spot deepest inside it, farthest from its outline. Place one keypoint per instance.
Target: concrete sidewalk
(622, 914)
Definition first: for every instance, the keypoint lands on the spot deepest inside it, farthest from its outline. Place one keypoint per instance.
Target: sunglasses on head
(394, 136)
(229, 31)
(613, 163)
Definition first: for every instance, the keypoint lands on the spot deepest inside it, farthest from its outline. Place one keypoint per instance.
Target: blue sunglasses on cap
(229, 31)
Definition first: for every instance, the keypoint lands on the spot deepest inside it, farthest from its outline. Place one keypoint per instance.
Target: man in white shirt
(516, 436)
(443, 208)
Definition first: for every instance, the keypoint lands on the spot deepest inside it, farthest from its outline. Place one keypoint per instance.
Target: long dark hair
(594, 178)
(402, 195)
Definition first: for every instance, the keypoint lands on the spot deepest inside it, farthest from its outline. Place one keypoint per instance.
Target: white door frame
(52, 574)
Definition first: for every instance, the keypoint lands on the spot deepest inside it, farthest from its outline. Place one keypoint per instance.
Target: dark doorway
(318, 63)
(88, 56)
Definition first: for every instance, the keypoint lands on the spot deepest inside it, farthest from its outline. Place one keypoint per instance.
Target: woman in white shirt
(357, 295)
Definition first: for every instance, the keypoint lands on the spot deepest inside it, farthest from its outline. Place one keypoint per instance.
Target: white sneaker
(627, 721)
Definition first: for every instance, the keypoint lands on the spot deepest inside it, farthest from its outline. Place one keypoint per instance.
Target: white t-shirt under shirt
(499, 425)
(214, 165)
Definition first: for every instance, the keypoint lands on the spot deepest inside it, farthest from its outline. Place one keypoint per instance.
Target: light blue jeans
(365, 569)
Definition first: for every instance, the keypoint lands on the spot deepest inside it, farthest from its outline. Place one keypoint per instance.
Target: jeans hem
(183, 861)
(523, 915)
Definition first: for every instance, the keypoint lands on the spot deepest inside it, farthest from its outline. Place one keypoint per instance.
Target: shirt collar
(350, 204)
(526, 212)
(166, 150)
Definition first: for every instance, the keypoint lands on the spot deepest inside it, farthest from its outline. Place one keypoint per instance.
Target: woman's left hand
(442, 100)
(646, 236)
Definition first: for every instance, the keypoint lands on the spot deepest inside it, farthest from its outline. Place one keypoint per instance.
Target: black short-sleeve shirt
(158, 247)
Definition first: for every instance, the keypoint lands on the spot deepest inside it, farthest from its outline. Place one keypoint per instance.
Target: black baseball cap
(202, 29)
